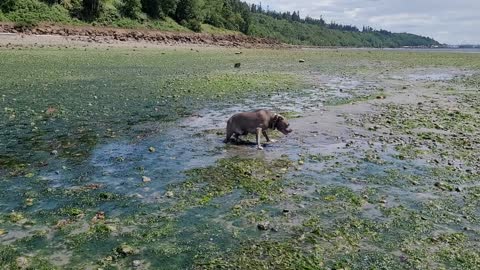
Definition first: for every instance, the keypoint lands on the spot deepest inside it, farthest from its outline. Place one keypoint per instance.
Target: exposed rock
(22, 262)
(125, 250)
(444, 186)
(263, 226)
(136, 263)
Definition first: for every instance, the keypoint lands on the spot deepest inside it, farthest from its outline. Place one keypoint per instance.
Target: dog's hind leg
(229, 135)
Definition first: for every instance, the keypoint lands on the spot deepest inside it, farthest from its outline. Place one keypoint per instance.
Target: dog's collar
(274, 121)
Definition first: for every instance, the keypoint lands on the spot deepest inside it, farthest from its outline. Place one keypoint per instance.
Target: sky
(452, 22)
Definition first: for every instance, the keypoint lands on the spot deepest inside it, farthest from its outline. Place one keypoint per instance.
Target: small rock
(22, 262)
(151, 149)
(458, 189)
(29, 201)
(264, 226)
(125, 250)
(137, 263)
(100, 215)
(169, 194)
(301, 60)
(301, 162)
(444, 186)
(286, 211)
(54, 153)
(62, 223)
(438, 126)
(146, 179)
(237, 65)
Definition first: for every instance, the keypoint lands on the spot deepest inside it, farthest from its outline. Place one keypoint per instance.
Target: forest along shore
(108, 35)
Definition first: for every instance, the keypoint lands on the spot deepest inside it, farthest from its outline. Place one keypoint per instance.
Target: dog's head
(280, 123)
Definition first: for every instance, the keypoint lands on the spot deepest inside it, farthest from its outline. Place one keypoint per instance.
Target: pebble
(151, 149)
(22, 262)
(137, 263)
(264, 226)
(146, 179)
(54, 153)
(126, 250)
(169, 194)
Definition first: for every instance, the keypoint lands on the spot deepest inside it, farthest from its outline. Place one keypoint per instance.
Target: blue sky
(452, 22)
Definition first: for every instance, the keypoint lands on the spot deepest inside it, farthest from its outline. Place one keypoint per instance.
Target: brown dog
(256, 122)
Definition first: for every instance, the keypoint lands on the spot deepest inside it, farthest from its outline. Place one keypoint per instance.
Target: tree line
(233, 15)
(228, 14)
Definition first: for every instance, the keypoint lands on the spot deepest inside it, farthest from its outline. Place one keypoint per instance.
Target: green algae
(253, 176)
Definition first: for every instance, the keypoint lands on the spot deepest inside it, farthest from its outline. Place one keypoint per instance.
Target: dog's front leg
(259, 132)
(266, 137)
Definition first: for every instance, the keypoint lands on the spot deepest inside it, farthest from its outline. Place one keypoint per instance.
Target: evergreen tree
(91, 9)
(131, 8)
(189, 14)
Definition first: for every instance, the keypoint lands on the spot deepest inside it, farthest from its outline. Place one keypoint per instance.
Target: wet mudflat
(113, 158)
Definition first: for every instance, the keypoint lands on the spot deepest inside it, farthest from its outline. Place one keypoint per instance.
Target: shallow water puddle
(196, 141)
(431, 74)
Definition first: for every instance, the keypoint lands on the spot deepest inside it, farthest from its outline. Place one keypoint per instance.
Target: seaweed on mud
(254, 176)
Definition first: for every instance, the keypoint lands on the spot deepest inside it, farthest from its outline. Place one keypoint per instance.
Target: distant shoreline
(89, 36)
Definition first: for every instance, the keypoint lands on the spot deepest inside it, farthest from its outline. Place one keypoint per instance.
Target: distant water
(446, 50)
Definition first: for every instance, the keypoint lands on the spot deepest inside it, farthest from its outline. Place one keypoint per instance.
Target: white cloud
(447, 21)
